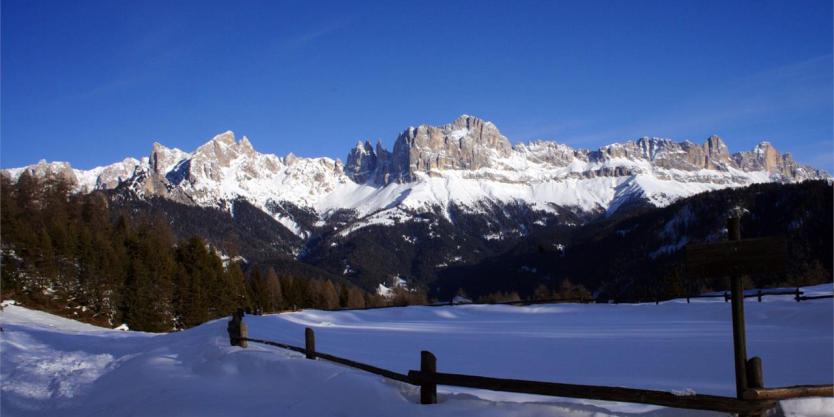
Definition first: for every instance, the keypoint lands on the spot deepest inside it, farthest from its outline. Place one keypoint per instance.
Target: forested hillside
(642, 256)
(75, 255)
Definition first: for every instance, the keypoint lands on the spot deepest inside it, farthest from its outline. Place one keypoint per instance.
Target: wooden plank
(746, 256)
(601, 393)
(784, 393)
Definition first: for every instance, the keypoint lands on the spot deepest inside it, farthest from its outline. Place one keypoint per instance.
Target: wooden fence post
(310, 343)
(755, 377)
(796, 297)
(737, 307)
(760, 296)
(243, 332)
(237, 329)
(428, 389)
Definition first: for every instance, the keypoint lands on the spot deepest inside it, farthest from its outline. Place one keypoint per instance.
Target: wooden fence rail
(310, 353)
(786, 393)
(755, 401)
(593, 392)
(591, 300)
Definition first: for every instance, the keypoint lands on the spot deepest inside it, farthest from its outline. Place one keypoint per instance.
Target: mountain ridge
(467, 163)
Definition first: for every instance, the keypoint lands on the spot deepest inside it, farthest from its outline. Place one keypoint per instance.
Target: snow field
(55, 366)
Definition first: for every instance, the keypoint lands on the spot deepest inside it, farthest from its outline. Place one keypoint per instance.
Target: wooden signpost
(736, 258)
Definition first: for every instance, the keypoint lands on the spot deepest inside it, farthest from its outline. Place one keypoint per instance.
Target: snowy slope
(54, 366)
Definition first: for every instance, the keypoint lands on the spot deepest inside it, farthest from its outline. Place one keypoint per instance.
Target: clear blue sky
(91, 82)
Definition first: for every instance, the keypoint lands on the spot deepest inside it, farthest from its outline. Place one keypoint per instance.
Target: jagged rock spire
(361, 162)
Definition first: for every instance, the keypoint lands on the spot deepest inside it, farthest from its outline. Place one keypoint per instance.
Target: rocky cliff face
(764, 157)
(468, 143)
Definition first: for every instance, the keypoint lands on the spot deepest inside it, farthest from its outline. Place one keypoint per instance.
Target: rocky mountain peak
(55, 169)
(769, 157)
(246, 146)
(468, 143)
(361, 162)
(163, 159)
(209, 159)
(227, 137)
(717, 154)
(291, 159)
(112, 175)
(765, 157)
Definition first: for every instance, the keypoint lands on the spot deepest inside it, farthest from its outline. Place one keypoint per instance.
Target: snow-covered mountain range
(467, 164)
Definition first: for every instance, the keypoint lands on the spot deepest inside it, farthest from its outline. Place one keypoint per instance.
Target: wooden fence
(797, 294)
(756, 400)
(752, 398)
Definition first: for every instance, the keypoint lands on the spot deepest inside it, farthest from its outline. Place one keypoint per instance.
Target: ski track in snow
(53, 366)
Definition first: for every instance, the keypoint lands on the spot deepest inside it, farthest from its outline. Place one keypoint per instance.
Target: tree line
(72, 255)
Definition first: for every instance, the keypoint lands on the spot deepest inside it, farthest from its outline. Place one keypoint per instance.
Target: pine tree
(356, 299)
(315, 294)
(541, 293)
(344, 295)
(288, 289)
(330, 299)
(302, 293)
(193, 285)
(275, 296)
(256, 290)
(149, 280)
(236, 284)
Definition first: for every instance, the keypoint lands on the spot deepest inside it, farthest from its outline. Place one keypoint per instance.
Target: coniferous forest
(69, 253)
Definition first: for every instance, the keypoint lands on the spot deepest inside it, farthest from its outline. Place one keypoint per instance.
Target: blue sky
(91, 82)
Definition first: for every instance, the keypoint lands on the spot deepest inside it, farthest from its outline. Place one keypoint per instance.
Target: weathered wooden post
(755, 376)
(428, 389)
(796, 297)
(310, 343)
(739, 332)
(726, 297)
(237, 329)
(760, 296)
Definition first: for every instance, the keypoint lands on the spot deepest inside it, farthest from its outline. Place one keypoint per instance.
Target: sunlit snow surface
(54, 366)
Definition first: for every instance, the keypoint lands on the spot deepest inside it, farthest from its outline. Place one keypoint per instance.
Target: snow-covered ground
(58, 367)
